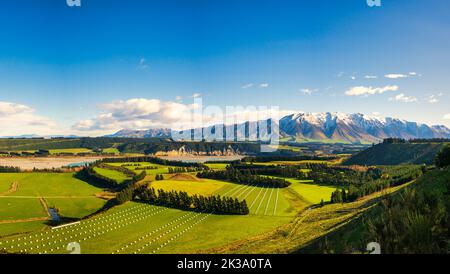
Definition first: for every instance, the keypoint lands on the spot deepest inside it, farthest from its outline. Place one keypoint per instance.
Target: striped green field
(142, 228)
(264, 201)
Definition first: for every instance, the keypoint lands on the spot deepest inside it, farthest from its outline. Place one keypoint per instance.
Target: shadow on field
(80, 175)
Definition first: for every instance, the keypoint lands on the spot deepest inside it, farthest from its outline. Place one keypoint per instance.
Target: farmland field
(111, 150)
(159, 169)
(138, 227)
(135, 227)
(70, 150)
(217, 166)
(312, 193)
(113, 174)
(16, 208)
(28, 195)
(166, 231)
(191, 186)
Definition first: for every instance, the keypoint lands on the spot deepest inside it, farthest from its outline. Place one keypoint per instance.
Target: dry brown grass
(183, 177)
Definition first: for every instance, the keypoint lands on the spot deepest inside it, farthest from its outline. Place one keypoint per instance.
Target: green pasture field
(33, 144)
(21, 228)
(204, 187)
(47, 185)
(111, 150)
(70, 150)
(161, 169)
(74, 198)
(217, 166)
(288, 147)
(113, 174)
(260, 200)
(4, 186)
(310, 192)
(140, 228)
(20, 208)
(76, 207)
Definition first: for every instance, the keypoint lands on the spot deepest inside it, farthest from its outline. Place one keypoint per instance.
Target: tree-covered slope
(397, 153)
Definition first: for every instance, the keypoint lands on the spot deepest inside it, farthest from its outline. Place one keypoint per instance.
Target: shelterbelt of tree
(182, 200)
(398, 151)
(90, 175)
(273, 157)
(214, 204)
(243, 177)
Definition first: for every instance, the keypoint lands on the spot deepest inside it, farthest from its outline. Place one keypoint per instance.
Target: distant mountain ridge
(355, 127)
(149, 133)
(329, 127)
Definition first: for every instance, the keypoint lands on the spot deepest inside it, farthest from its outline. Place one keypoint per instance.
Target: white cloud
(251, 85)
(246, 86)
(447, 116)
(401, 75)
(365, 91)
(434, 98)
(353, 77)
(414, 74)
(7, 108)
(143, 64)
(137, 113)
(308, 91)
(395, 76)
(403, 98)
(141, 113)
(196, 95)
(371, 77)
(18, 119)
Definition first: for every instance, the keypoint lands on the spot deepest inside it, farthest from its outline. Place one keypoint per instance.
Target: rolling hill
(397, 153)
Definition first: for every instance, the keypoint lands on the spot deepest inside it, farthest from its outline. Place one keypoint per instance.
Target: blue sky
(76, 69)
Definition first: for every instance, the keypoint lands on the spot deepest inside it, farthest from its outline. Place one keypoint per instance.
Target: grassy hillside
(35, 144)
(415, 221)
(397, 153)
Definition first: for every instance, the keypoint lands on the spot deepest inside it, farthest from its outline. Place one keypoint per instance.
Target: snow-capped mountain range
(337, 127)
(153, 132)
